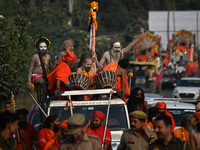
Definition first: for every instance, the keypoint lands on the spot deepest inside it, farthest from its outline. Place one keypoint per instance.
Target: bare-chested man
(116, 52)
(87, 68)
(122, 83)
(35, 72)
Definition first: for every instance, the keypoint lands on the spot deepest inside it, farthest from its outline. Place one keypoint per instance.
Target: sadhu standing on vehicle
(35, 72)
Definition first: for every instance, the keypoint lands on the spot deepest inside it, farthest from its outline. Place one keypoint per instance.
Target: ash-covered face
(117, 47)
(43, 48)
(87, 65)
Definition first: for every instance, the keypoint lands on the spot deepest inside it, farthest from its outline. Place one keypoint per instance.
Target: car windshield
(179, 113)
(116, 121)
(190, 83)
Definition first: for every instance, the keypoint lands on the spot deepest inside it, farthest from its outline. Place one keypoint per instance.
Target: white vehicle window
(179, 113)
(190, 83)
(117, 118)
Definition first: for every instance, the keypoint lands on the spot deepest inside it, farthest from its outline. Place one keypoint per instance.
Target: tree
(14, 55)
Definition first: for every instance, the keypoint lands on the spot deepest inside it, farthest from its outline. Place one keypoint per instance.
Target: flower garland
(130, 74)
(91, 15)
(47, 59)
(43, 37)
(28, 84)
(89, 74)
(12, 98)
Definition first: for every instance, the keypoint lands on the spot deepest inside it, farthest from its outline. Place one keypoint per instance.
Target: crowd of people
(151, 128)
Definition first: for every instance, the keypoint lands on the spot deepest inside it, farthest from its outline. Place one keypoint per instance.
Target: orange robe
(166, 62)
(172, 119)
(100, 132)
(46, 141)
(25, 137)
(143, 58)
(118, 85)
(61, 72)
(112, 66)
(182, 134)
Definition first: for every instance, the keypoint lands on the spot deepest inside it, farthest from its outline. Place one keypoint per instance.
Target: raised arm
(128, 48)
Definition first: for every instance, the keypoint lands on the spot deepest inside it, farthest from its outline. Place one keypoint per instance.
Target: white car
(176, 107)
(118, 119)
(188, 89)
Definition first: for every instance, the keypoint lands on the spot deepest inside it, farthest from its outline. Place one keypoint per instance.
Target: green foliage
(14, 55)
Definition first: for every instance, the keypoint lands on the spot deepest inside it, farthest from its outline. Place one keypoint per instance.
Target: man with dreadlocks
(136, 101)
(35, 72)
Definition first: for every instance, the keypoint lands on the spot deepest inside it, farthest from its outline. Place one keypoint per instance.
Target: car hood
(187, 89)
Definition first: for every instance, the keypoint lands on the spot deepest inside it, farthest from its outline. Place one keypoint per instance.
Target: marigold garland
(130, 74)
(28, 84)
(12, 98)
(91, 15)
(43, 37)
(48, 71)
(89, 74)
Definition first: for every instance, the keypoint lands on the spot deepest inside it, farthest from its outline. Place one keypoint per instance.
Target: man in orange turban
(58, 78)
(98, 129)
(163, 109)
(63, 127)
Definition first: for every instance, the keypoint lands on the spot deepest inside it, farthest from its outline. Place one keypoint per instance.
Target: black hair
(167, 120)
(131, 104)
(153, 112)
(41, 40)
(124, 63)
(22, 111)
(186, 118)
(5, 118)
(49, 120)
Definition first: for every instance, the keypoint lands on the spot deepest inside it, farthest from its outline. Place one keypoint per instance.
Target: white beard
(115, 56)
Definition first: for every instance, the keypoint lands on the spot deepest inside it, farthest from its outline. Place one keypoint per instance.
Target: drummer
(87, 68)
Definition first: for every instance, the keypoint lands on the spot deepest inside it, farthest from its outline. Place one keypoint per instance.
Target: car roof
(152, 95)
(172, 103)
(62, 103)
(190, 78)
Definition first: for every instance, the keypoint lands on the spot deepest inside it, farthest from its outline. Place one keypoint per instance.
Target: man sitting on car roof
(58, 78)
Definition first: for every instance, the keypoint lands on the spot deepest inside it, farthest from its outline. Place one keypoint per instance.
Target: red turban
(69, 56)
(100, 115)
(63, 124)
(161, 105)
(197, 115)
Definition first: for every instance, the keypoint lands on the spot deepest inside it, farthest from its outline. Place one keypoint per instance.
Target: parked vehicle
(118, 119)
(188, 90)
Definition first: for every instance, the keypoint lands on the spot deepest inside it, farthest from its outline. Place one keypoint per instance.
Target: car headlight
(198, 92)
(175, 91)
